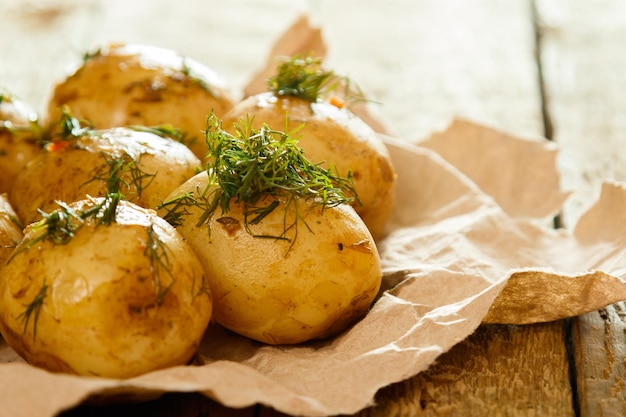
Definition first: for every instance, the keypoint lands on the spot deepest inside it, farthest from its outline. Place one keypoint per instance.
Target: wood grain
(584, 82)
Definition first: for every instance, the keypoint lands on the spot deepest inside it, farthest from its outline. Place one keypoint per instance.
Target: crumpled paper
(468, 244)
(453, 258)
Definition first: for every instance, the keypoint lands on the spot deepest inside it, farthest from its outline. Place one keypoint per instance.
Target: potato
(10, 231)
(19, 136)
(334, 136)
(311, 282)
(110, 300)
(135, 84)
(144, 165)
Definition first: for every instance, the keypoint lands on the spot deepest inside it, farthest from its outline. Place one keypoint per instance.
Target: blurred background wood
(552, 68)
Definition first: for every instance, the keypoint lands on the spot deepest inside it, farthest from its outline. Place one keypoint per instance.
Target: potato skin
(10, 232)
(99, 314)
(334, 136)
(66, 174)
(130, 84)
(281, 292)
(18, 144)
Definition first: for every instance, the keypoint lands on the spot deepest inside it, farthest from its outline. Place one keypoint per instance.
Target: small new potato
(19, 135)
(144, 166)
(111, 300)
(277, 287)
(133, 84)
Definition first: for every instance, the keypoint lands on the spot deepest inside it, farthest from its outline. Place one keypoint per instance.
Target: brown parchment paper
(453, 259)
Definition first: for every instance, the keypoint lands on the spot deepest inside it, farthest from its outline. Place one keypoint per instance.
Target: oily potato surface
(282, 291)
(19, 131)
(333, 136)
(131, 84)
(116, 300)
(150, 167)
(10, 232)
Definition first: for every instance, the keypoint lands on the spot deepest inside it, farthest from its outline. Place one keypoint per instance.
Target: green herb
(121, 174)
(34, 128)
(157, 252)
(306, 78)
(178, 208)
(73, 127)
(33, 309)
(250, 166)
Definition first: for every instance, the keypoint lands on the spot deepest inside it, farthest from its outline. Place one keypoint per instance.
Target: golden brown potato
(123, 85)
(312, 282)
(19, 136)
(286, 256)
(103, 299)
(334, 136)
(10, 232)
(141, 165)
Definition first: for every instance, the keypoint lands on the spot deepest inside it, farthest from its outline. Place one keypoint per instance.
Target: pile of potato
(119, 243)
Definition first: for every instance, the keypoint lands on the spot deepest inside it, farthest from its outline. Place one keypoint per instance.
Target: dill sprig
(157, 252)
(177, 208)
(251, 165)
(72, 127)
(60, 225)
(33, 127)
(121, 174)
(306, 78)
(33, 309)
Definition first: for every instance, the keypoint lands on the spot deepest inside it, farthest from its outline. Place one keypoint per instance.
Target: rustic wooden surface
(543, 67)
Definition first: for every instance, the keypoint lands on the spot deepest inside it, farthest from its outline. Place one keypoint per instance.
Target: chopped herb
(250, 166)
(122, 173)
(157, 252)
(306, 78)
(177, 208)
(34, 308)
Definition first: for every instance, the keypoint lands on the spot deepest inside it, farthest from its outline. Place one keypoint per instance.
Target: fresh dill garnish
(178, 208)
(60, 225)
(306, 78)
(33, 127)
(33, 309)
(121, 173)
(157, 252)
(73, 127)
(251, 165)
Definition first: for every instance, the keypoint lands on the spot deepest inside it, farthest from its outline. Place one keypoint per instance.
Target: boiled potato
(20, 134)
(329, 133)
(285, 255)
(131, 84)
(144, 166)
(10, 230)
(112, 300)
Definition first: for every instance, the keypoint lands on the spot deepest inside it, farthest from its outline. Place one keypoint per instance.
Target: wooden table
(554, 68)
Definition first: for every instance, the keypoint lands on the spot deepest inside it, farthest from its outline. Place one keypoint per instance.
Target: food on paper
(141, 164)
(132, 84)
(103, 287)
(20, 135)
(285, 255)
(304, 97)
